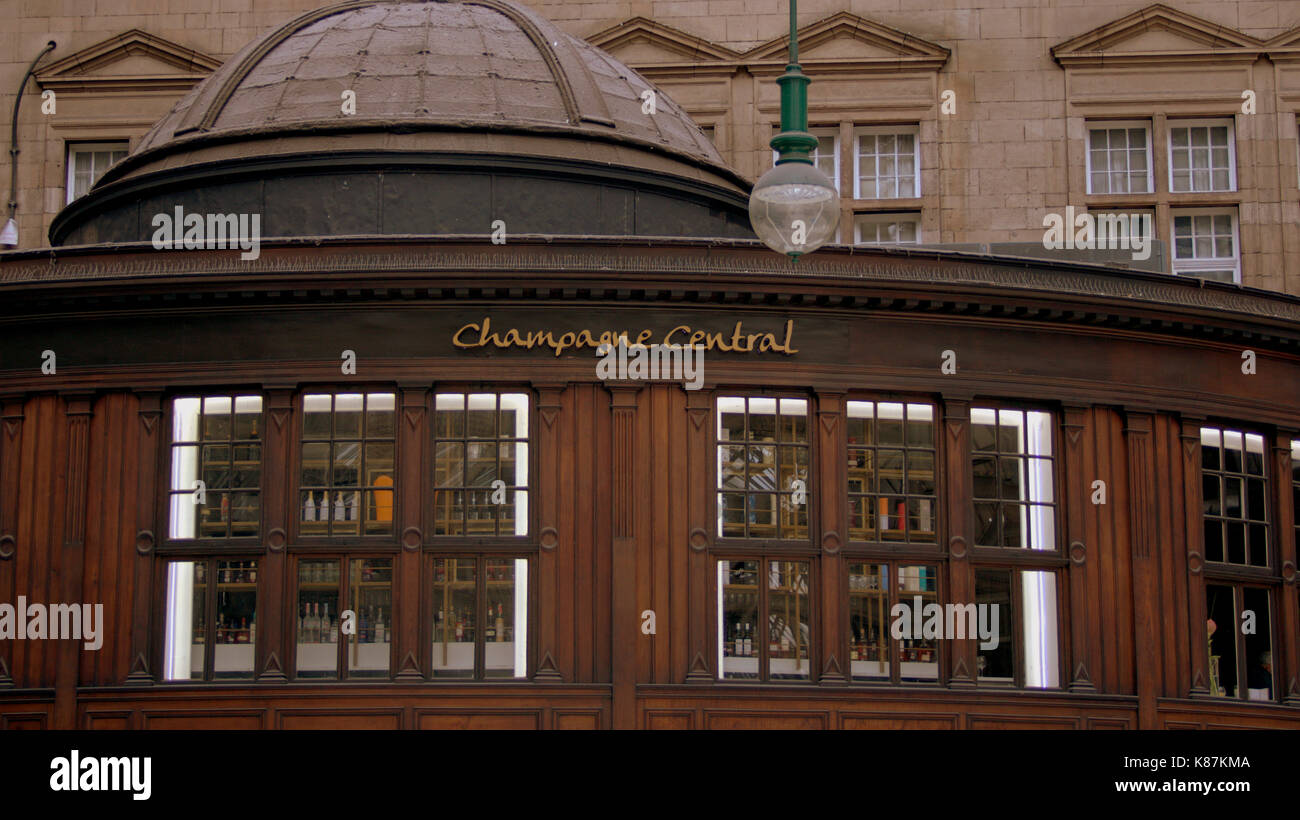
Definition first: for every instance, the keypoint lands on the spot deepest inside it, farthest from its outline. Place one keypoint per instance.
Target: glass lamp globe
(794, 208)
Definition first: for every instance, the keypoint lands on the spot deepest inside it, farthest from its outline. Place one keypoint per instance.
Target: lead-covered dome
(446, 98)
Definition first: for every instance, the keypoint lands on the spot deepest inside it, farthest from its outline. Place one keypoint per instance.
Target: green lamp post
(794, 207)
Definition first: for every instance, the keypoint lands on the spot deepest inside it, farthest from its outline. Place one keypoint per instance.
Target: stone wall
(1011, 152)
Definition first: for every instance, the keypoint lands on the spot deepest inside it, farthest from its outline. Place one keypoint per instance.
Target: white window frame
(834, 134)
(913, 130)
(1231, 124)
(1193, 266)
(74, 148)
(1109, 125)
(880, 218)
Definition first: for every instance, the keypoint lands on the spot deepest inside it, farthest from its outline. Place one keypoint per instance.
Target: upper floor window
(891, 472)
(1119, 158)
(1202, 156)
(1011, 462)
(87, 162)
(480, 443)
(763, 481)
(1205, 244)
(1235, 497)
(826, 156)
(887, 163)
(347, 467)
(216, 467)
(887, 229)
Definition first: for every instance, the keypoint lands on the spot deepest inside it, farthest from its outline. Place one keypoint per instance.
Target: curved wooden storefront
(623, 474)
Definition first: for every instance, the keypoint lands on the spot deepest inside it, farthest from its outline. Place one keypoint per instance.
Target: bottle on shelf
(326, 625)
(309, 508)
(225, 507)
(501, 624)
(302, 619)
(460, 627)
(242, 635)
(324, 506)
(381, 632)
(748, 650)
(339, 511)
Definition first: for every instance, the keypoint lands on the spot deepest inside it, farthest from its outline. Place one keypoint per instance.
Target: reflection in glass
(370, 596)
(318, 628)
(918, 655)
(788, 620)
(506, 595)
(993, 589)
(185, 639)
(764, 484)
(1234, 497)
(891, 478)
(1012, 484)
(869, 621)
(347, 464)
(454, 616)
(738, 628)
(215, 440)
(480, 464)
(196, 648)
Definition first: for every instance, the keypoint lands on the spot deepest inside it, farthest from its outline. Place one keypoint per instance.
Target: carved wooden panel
(338, 719)
(444, 719)
(1077, 497)
(958, 521)
(204, 720)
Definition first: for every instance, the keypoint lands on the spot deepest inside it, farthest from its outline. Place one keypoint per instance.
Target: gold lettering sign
(482, 334)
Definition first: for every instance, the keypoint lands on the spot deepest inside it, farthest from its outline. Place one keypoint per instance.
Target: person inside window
(1259, 679)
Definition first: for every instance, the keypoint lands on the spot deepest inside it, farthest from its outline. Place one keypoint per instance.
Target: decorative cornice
(1285, 39)
(695, 49)
(76, 72)
(1206, 41)
(900, 43)
(904, 51)
(699, 270)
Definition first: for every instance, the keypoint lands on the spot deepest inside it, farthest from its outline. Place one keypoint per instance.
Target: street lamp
(794, 207)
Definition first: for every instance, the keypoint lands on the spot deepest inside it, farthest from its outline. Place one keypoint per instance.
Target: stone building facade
(994, 101)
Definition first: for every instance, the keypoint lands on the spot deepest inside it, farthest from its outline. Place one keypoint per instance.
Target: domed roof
(461, 113)
(459, 64)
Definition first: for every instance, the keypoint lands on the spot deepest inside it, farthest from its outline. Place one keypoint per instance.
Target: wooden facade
(623, 473)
